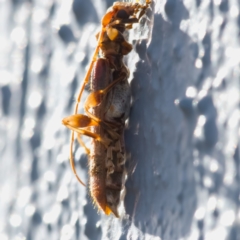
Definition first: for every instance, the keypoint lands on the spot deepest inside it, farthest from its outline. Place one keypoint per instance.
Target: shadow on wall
(161, 197)
(84, 12)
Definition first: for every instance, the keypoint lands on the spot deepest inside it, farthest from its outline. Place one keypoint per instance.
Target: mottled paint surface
(182, 136)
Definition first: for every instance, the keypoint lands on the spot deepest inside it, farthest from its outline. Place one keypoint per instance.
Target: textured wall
(183, 132)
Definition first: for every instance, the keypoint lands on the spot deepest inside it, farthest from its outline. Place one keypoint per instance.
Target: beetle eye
(122, 14)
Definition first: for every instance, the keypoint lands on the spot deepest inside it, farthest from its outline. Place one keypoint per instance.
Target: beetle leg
(80, 141)
(142, 13)
(121, 158)
(78, 122)
(120, 154)
(75, 122)
(95, 98)
(109, 163)
(123, 21)
(71, 160)
(105, 142)
(129, 26)
(144, 7)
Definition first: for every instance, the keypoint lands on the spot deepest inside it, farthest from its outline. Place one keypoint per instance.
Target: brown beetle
(107, 107)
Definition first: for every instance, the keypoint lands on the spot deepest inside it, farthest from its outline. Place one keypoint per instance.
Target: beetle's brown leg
(78, 122)
(109, 163)
(80, 141)
(82, 121)
(97, 137)
(73, 122)
(90, 134)
(95, 98)
(123, 21)
(144, 8)
(84, 132)
(120, 157)
(129, 26)
(142, 13)
(71, 160)
(117, 148)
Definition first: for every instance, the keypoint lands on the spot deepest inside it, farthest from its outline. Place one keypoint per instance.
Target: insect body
(107, 107)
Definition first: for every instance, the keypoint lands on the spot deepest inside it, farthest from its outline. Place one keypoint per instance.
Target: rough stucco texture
(183, 131)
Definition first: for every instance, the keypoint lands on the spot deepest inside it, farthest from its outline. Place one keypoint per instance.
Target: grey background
(183, 131)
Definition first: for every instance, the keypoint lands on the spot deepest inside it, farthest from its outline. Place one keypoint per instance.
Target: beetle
(107, 107)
